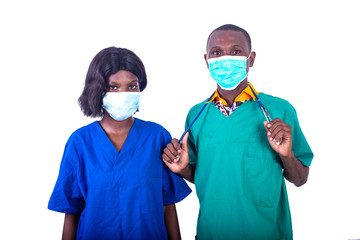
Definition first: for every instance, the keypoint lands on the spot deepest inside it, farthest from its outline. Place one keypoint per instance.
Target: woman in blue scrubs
(112, 183)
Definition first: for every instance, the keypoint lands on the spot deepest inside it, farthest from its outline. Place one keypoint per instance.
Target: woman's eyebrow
(112, 82)
(116, 83)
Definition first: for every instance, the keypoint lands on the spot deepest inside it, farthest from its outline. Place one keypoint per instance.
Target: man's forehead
(227, 36)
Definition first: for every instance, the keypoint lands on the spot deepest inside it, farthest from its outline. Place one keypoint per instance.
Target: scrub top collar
(246, 94)
(130, 141)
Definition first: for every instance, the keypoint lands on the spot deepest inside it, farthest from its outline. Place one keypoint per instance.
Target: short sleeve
(300, 146)
(66, 196)
(175, 188)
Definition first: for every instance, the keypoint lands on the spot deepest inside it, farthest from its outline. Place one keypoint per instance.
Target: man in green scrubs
(237, 160)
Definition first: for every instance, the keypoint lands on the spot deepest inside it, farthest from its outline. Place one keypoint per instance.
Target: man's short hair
(232, 27)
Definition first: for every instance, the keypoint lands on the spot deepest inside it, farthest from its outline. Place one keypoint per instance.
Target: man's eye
(216, 53)
(235, 52)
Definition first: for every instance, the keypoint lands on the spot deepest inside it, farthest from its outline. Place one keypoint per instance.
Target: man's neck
(230, 95)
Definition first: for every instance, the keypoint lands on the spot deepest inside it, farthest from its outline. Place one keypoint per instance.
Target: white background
(307, 52)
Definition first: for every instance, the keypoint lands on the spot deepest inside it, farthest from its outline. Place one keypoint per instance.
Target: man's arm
(279, 135)
(294, 170)
(171, 222)
(188, 173)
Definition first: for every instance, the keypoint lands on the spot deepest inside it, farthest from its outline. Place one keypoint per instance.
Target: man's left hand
(279, 135)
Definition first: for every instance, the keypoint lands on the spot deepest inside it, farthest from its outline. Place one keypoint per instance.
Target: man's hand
(279, 135)
(176, 156)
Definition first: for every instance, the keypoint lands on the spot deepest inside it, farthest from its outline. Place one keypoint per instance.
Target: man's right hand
(176, 156)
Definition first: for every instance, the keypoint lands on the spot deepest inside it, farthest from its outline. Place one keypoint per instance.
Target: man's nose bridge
(227, 50)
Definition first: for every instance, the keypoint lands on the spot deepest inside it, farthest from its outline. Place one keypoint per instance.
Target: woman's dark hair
(107, 62)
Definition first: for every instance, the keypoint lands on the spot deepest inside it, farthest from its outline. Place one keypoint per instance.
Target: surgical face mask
(121, 105)
(228, 71)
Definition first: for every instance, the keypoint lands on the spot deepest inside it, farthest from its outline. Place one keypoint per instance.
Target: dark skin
(70, 226)
(117, 132)
(279, 133)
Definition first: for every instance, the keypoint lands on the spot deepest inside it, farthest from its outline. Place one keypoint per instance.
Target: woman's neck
(112, 126)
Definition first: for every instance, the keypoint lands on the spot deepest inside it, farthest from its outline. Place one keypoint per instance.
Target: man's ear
(252, 59)
(206, 60)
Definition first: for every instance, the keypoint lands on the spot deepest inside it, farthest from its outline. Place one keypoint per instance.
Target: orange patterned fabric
(222, 105)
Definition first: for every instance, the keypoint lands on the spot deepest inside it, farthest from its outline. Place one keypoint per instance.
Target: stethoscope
(266, 114)
(193, 121)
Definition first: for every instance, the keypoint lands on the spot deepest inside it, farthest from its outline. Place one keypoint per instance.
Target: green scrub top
(239, 178)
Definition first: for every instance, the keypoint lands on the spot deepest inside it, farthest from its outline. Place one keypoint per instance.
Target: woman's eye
(134, 86)
(112, 87)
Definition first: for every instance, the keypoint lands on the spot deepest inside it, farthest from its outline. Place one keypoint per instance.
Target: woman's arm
(171, 222)
(70, 226)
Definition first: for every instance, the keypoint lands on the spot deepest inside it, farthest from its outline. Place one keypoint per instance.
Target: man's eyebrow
(238, 46)
(214, 47)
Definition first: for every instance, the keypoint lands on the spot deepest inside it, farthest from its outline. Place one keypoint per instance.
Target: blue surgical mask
(228, 71)
(121, 105)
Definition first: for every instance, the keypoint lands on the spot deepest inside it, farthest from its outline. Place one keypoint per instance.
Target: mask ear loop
(193, 121)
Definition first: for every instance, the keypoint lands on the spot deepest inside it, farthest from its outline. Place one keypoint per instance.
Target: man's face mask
(228, 71)
(121, 105)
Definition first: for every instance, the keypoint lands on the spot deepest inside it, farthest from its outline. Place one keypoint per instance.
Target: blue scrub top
(120, 195)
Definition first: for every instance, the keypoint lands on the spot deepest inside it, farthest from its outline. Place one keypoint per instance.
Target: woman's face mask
(121, 105)
(228, 71)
